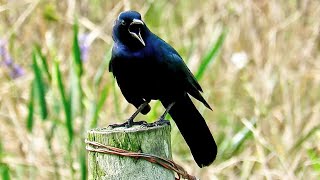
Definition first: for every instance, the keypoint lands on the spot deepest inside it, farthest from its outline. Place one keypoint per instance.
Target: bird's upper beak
(134, 30)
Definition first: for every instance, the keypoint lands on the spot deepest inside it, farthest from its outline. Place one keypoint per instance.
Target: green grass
(265, 114)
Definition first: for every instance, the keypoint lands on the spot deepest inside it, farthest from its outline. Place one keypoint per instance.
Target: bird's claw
(160, 122)
(128, 124)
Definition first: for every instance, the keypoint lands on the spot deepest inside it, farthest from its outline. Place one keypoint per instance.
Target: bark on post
(154, 140)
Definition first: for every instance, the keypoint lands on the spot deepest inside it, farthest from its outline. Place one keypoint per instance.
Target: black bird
(147, 68)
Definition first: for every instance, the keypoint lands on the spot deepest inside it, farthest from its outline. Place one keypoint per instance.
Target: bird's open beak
(137, 34)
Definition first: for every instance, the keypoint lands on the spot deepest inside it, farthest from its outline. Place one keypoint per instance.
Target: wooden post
(151, 140)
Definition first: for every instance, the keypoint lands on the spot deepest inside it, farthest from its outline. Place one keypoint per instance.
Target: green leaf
(75, 93)
(5, 171)
(315, 159)
(83, 164)
(76, 50)
(31, 107)
(232, 146)
(240, 138)
(50, 12)
(102, 69)
(4, 168)
(44, 62)
(1, 149)
(303, 138)
(65, 101)
(40, 87)
(211, 55)
(97, 109)
(116, 100)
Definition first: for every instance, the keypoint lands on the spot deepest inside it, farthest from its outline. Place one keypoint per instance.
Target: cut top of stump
(151, 140)
(135, 128)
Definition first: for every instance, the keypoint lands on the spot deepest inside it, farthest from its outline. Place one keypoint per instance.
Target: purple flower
(5, 57)
(8, 61)
(15, 70)
(84, 46)
(2, 51)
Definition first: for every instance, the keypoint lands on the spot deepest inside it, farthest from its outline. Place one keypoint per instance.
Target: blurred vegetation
(257, 61)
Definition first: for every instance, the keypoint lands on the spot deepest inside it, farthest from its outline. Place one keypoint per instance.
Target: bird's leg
(134, 115)
(130, 122)
(162, 120)
(166, 112)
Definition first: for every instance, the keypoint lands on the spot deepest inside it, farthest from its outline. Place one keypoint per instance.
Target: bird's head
(130, 29)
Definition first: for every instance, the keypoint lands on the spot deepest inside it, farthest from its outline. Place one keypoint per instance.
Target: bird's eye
(123, 23)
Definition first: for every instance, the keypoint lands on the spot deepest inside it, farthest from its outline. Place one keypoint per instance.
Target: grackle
(147, 68)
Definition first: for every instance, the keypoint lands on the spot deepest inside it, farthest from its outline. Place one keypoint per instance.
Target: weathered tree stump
(151, 140)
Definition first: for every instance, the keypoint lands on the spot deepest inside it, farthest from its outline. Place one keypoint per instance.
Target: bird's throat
(135, 32)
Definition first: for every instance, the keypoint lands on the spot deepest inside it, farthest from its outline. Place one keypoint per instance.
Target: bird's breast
(144, 77)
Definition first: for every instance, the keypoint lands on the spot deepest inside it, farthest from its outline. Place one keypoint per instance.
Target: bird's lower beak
(135, 31)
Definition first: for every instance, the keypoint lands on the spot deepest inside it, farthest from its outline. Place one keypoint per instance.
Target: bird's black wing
(179, 70)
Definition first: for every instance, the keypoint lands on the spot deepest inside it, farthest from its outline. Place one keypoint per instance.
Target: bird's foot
(160, 122)
(129, 124)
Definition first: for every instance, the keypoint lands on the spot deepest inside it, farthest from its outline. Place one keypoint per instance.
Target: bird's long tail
(194, 130)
